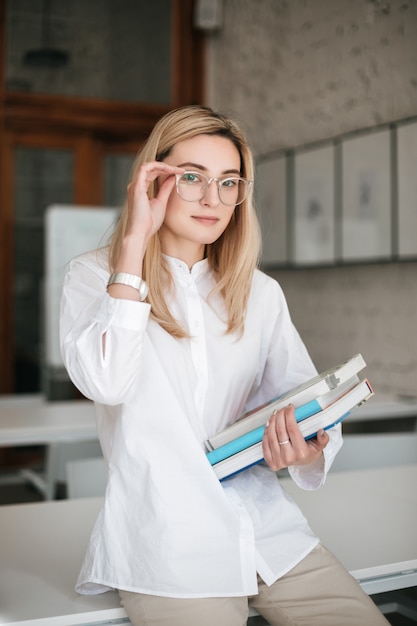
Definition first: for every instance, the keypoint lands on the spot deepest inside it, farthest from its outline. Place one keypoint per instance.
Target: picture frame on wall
(313, 227)
(366, 219)
(407, 189)
(271, 202)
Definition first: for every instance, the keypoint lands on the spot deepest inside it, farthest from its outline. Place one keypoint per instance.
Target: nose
(211, 197)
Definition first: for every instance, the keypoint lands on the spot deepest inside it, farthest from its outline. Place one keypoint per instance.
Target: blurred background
(82, 84)
(313, 83)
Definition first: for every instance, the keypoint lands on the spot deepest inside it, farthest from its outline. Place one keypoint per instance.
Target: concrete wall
(294, 72)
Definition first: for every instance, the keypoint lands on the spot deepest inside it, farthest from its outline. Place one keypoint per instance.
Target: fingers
(321, 441)
(280, 438)
(166, 188)
(284, 445)
(284, 425)
(149, 172)
(145, 214)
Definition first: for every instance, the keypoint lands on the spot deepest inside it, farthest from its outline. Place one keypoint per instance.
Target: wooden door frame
(85, 125)
(85, 192)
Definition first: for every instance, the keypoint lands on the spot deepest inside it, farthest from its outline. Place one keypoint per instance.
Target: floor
(21, 492)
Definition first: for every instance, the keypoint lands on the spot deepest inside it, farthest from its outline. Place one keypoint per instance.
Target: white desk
(367, 518)
(41, 549)
(25, 423)
(384, 407)
(33, 420)
(47, 422)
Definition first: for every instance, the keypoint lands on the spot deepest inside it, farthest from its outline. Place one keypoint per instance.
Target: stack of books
(321, 402)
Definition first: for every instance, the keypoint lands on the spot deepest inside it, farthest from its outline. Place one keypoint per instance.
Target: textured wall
(297, 71)
(370, 309)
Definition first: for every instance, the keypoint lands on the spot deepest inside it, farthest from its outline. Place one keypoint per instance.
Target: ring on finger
(282, 443)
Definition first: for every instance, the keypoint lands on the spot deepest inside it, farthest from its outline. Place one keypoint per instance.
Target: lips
(206, 219)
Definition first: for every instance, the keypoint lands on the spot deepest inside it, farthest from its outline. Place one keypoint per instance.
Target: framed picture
(366, 196)
(313, 228)
(407, 189)
(271, 201)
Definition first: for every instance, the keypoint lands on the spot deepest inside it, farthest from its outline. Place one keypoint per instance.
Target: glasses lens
(191, 186)
(233, 191)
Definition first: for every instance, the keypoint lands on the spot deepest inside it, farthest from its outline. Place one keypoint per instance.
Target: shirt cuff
(127, 314)
(313, 476)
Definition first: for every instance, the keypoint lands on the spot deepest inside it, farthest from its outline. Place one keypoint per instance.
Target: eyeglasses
(193, 186)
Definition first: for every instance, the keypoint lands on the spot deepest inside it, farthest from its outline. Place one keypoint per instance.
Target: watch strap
(131, 280)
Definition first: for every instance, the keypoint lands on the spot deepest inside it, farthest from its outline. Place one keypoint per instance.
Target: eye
(229, 183)
(191, 178)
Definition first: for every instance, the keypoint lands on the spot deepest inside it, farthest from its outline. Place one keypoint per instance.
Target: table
(384, 412)
(368, 518)
(33, 420)
(41, 549)
(39, 422)
(47, 422)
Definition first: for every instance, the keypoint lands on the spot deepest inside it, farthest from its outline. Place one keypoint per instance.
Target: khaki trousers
(317, 592)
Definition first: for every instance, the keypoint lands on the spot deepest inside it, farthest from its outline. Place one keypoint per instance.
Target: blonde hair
(234, 256)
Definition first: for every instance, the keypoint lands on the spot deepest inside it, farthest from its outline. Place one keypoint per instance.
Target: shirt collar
(180, 268)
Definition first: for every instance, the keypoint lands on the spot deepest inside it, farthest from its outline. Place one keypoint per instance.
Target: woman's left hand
(284, 445)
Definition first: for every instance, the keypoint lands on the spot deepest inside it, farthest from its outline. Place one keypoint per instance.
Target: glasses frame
(220, 182)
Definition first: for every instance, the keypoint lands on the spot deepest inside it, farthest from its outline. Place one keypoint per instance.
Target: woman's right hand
(146, 215)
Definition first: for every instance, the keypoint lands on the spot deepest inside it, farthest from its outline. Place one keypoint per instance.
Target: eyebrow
(204, 169)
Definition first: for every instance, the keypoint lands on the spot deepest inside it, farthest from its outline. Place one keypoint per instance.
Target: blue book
(256, 435)
(309, 426)
(345, 373)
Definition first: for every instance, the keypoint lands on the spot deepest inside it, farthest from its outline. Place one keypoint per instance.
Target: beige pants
(317, 592)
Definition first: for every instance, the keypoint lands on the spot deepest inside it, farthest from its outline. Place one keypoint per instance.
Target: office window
(43, 177)
(99, 49)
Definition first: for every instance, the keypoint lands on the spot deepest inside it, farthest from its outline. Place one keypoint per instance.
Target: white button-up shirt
(168, 526)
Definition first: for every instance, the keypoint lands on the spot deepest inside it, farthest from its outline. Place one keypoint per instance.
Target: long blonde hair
(234, 256)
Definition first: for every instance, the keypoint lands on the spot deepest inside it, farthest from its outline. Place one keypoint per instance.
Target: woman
(174, 334)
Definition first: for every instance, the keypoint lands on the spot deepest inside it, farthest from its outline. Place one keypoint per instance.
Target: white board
(69, 231)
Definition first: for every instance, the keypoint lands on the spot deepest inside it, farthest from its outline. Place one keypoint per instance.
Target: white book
(327, 418)
(310, 390)
(301, 413)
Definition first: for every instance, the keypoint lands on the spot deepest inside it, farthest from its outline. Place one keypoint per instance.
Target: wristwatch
(132, 281)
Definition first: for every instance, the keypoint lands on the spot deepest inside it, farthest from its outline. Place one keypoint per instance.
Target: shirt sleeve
(285, 361)
(101, 337)
(289, 362)
(313, 476)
